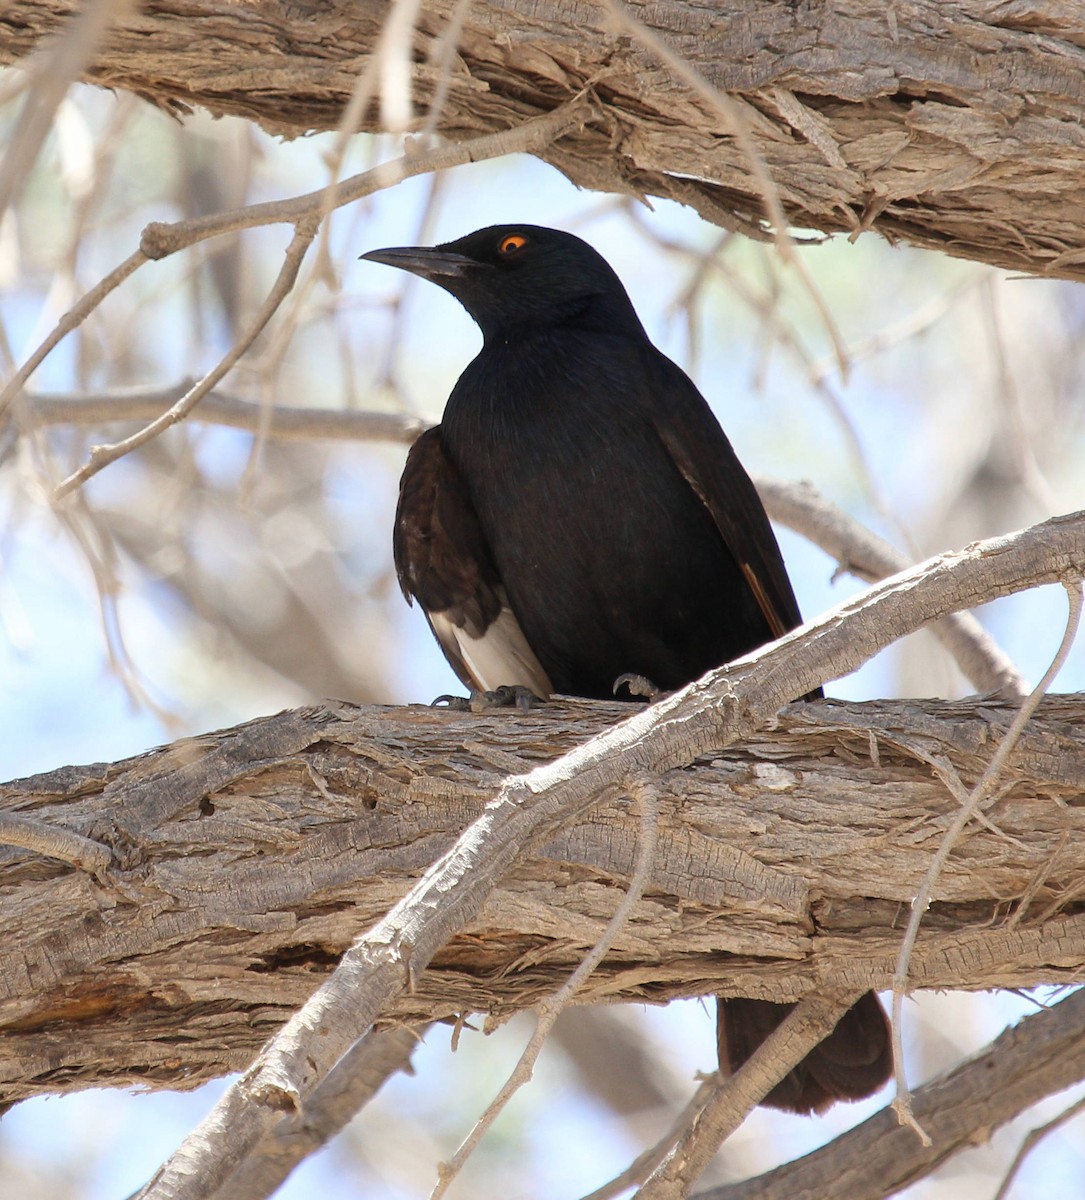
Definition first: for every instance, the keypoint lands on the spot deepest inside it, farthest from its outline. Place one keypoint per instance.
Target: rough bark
(952, 124)
(245, 862)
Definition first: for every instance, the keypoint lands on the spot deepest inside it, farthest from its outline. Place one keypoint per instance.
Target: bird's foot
(506, 696)
(637, 685)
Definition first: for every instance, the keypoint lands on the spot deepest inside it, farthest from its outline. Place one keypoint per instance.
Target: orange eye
(511, 243)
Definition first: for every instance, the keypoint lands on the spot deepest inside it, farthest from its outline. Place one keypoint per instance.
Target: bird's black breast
(611, 560)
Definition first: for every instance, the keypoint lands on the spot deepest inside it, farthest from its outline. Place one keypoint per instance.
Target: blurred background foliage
(217, 575)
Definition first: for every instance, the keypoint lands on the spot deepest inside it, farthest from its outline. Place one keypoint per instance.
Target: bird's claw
(506, 696)
(637, 685)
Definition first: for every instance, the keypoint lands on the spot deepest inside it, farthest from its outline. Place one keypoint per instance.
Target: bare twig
(102, 456)
(799, 506)
(1032, 1139)
(902, 1104)
(649, 1160)
(645, 793)
(1009, 399)
(729, 108)
(443, 55)
(160, 240)
(808, 1023)
(532, 136)
(222, 408)
(95, 542)
(51, 72)
(766, 306)
(72, 319)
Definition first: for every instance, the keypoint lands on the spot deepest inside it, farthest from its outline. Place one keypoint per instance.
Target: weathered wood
(952, 124)
(246, 861)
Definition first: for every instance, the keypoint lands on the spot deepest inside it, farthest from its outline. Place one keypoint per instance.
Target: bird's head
(516, 277)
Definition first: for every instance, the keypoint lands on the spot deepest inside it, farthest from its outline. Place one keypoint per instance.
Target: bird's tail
(851, 1063)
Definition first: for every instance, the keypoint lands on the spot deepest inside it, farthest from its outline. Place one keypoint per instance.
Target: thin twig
(50, 72)
(1032, 1139)
(102, 456)
(766, 306)
(808, 1024)
(799, 506)
(159, 240)
(902, 1103)
(72, 319)
(645, 793)
(649, 1160)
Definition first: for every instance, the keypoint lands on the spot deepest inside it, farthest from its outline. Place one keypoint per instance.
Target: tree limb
(863, 554)
(808, 1024)
(951, 124)
(260, 852)
(356, 1078)
(279, 421)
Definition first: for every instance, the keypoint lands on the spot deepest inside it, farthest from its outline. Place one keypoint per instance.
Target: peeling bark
(245, 862)
(952, 124)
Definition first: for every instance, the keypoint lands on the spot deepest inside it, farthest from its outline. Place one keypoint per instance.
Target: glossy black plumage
(579, 515)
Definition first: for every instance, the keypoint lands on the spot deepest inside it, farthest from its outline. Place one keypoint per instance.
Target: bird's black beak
(431, 262)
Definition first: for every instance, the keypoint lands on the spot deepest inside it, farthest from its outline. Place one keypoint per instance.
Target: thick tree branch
(383, 963)
(783, 863)
(259, 853)
(953, 124)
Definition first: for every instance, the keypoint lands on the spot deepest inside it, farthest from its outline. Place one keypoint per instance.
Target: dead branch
(953, 125)
(356, 1079)
(808, 1023)
(160, 240)
(102, 456)
(552, 1006)
(220, 408)
(865, 555)
(529, 809)
(972, 803)
(260, 852)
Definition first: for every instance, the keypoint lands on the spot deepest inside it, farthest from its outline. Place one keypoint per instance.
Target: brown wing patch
(443, 560)
(441, 555)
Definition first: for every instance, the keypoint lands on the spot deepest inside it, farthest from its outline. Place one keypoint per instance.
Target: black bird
(579, 515)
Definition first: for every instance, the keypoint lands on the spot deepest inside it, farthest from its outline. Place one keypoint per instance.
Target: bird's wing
(710, 466)
(443, 559)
